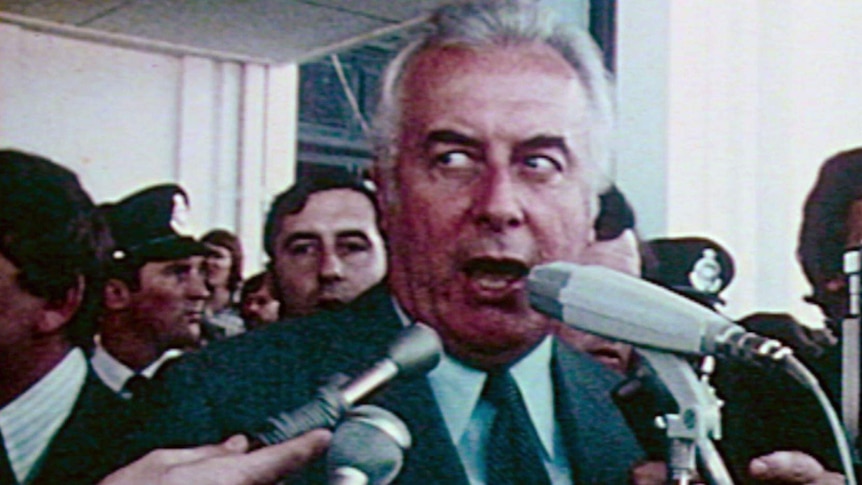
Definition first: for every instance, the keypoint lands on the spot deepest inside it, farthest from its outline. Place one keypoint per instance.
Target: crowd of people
(132, 352)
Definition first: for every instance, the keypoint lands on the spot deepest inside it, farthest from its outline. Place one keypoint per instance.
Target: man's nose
(331, 266)
(496, 203)
(197, 289)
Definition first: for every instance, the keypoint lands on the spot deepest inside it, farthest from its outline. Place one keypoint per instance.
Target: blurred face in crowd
(620, 254)
(259, 307)
(169, 304)
(20, 312)
(329, 253)
(854, 224)
(615, 355)
(218, 264)
(834, 293)
(489, 180)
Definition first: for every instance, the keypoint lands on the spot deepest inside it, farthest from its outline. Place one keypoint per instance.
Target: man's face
(489, 181)
(616, 355)
(329, 253)
(20, 311)
(170, 301)
(259, 307)
(834, 296)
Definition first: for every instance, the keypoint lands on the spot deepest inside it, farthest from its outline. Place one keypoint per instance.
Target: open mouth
(491, 277)
(193, 318)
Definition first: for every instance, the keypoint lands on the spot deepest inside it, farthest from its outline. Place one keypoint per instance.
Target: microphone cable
(803, 376)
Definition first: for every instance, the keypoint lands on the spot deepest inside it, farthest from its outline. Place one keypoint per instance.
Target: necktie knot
(135, 386)
(501, 390)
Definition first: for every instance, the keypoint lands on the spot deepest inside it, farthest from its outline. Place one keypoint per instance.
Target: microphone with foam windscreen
(415, 351)
(367, 448)
(621, 307)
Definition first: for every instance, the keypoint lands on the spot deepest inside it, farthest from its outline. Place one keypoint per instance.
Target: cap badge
(705, 275)
(180, 215)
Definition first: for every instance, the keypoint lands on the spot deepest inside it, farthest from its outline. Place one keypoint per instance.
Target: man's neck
(130, 349)
(21, 369)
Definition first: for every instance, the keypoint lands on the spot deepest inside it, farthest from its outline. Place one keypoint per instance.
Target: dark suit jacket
(77, 454)
(234, 385)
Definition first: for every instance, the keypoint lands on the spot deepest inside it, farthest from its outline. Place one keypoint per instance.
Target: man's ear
(59, 312)
(116, 295)
(384, 186)
(621, 254)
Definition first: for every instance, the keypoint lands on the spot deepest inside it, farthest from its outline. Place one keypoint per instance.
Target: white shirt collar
(458, 388)
(115, 374)
(30, 422)
(112, 372)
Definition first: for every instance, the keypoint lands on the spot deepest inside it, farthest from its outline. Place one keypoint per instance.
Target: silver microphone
(621, 307)
(415, 351)
(367, 447)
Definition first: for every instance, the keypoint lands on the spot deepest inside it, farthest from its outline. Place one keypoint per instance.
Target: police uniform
(147, 226)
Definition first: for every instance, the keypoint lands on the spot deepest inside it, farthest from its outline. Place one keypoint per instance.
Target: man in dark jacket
(155, 290)
(55, 415)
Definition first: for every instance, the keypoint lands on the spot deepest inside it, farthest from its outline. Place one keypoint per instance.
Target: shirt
(115, 374)
(458, 388)
(30, 422)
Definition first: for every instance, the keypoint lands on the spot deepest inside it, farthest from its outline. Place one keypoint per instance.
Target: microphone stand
(850, 342)
(696, 424)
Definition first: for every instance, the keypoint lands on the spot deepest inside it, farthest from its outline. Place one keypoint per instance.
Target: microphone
(415, 351)
(614, 305)
(367, 448)
(621, 307)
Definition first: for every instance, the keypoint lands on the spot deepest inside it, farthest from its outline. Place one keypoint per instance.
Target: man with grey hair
(493, 132)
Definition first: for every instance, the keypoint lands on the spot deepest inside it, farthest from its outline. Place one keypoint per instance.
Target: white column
(713, 120)
(196, 139)
(226, 156)
(282, 115)
(733, 106)
(642, 104)
(9, 51)
(252, 155)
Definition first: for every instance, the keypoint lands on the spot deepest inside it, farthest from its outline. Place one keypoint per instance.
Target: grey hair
(487, 23)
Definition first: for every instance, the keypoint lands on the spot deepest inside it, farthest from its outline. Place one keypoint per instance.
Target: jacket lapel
(601, 448)
(75, 453)
(433, 458)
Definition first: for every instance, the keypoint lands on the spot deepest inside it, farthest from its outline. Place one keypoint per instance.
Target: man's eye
(453, 160)
(350, 247)
(181, 273)
(300, 249)
(543, 164)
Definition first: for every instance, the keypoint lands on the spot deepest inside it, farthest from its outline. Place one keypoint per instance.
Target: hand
(649, 473)
(655, 473)
(792, 467)
(226, 463)
(808, 342)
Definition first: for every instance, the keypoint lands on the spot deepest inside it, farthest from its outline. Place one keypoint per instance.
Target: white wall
(749, 98)
(126, 118)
